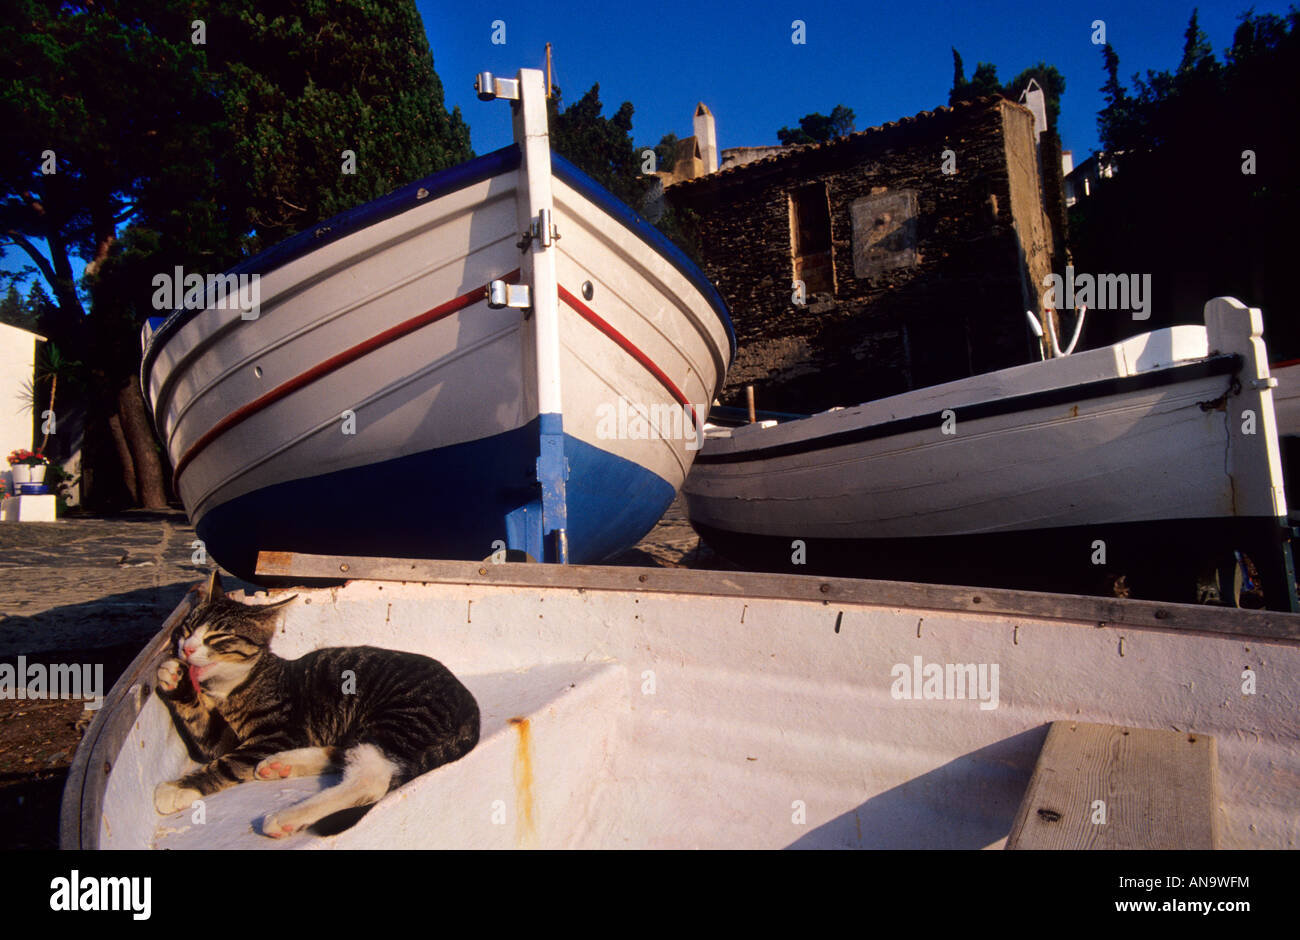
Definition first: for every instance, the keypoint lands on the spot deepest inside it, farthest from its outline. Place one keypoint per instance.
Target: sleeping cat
(383, 716)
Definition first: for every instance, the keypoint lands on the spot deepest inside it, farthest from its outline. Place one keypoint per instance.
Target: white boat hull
(1174, 426)
(378, 404)
(1286, 399)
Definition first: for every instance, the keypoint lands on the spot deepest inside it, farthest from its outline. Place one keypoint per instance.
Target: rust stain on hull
(525, 826)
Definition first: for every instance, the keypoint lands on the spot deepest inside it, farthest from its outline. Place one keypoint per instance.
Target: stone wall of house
(739, 156)
(929, 273)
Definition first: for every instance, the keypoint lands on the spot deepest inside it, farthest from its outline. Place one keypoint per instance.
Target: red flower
(32, 458)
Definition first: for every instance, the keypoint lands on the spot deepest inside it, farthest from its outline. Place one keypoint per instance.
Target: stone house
(893, 258)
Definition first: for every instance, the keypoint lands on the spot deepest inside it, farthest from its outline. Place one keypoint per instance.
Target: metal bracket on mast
(489, 87)
(501, 294)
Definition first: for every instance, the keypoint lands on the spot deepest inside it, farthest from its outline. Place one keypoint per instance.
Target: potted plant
(28, 466)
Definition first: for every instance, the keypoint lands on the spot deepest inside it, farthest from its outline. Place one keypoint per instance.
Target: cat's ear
(264, 617)
(269, 610)
(208, 590)
(214, 590)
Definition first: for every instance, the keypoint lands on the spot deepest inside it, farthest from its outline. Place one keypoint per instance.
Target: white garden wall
(17, 367)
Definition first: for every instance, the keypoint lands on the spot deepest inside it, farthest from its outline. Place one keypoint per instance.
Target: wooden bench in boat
(1108, 787)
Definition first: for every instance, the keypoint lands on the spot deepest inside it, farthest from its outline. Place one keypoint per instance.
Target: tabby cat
(384, 717)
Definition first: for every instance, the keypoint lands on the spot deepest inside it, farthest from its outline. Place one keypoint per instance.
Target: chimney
(706, 134)
(1034, 99)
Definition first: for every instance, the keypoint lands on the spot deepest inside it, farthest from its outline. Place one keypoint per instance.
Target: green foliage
(52, 368)
(1196, 47)
(11, 308)
(816, 127)
(1184, 203)
(666, 152)
(206, 151)
(958, 78)
(1115, 117)
(300, 83)
(1168, 106)
(985, 82)
(116, 91)
(26, 313)
(599, 146)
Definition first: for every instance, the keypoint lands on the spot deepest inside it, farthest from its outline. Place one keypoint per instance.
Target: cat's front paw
(169, 797)
(170, 674)
(277, 826)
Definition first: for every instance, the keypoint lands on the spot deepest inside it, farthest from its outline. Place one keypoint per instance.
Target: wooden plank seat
(1107, 787)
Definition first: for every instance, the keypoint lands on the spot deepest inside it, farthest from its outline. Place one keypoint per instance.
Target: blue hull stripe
(450, 502)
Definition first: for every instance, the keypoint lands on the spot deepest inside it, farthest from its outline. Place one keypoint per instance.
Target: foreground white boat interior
(651, 708)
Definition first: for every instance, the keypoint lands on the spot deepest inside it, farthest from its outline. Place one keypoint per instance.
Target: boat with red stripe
(426, 375)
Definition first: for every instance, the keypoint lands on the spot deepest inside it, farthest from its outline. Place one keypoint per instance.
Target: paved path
(88, 582)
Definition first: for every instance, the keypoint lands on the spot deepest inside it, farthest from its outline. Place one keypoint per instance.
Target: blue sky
(883, 60)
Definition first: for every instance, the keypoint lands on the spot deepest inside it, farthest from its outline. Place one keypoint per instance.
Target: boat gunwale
(83, 794)
(1092, 611)
(745, 451)
(337, 227)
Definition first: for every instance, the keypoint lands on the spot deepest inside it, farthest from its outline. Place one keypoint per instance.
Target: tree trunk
(134, 416)
(124, 455)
